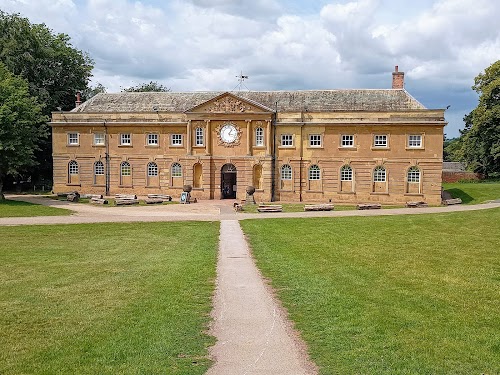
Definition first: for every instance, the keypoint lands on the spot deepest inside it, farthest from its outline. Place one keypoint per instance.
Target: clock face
(229, 133)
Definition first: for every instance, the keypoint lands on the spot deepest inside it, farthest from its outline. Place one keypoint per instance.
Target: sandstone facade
(319, 145)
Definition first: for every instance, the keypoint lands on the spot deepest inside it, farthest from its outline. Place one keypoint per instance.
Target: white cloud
(204, 44)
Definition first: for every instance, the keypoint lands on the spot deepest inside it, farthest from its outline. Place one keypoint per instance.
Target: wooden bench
(126, 199)
(448, 202)
(270, 208)
(368, 206)
(319, 207)
(153, 201)
(416, 204)
(90, 196)
(98, 200)
(163, 197)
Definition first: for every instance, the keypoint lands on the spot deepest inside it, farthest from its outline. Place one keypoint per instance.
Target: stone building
(314, 145)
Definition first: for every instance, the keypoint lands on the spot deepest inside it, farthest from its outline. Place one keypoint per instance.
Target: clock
(228, 133)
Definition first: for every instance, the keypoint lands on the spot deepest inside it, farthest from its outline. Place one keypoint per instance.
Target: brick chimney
(79, 98)
(398, 79)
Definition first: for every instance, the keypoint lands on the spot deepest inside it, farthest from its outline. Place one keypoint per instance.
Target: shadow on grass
(458, 193)
(6, 202)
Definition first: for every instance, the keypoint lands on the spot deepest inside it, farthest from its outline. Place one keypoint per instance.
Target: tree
(152, 86)
(481, 135)
(89, 92)
(22, 125)
(451, 149)
(54, 69)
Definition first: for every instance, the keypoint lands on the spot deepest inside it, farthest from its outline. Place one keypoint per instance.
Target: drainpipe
(106, 141)
(273, 156)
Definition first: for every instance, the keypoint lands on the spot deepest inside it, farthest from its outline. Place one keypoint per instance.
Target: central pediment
(229, 103)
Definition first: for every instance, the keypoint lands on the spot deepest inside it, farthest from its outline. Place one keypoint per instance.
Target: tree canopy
(481, 136)
(152, 86)
(22, 125)
(54, 69)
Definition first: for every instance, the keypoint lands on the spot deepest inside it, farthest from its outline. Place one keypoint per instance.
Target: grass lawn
(9, 208)
(106, 298)
(416, 294)
(474, 192)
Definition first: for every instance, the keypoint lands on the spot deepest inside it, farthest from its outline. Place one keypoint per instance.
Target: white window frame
(381, 140)
(73, 167)
(199, 136)
(286, 140)
(152, 169)
(314, 173)
(413, 175)
(347, 140)
(73, 139)
(259, 137)
(315, 140)
(100, 171)
(286, 172)
(346, 173)
(176, 140)
(379, 174)
(415, 141)
(125, 139)
(152, 139)
(176, 170)
(127, 168)
(97, 139)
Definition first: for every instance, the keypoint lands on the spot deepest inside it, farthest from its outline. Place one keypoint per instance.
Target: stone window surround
(73, 139)
(314, 173)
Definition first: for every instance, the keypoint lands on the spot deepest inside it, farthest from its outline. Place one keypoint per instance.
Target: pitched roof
(287, 101)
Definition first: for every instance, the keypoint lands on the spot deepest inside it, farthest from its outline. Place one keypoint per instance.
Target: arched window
(286, 172)
(125, 169)
(259, 136)
(314, 172)
(98, 168)
(176, 170)
(152, 169)
(379, 174)
(413, 174)
(346, 173)
(73, 167)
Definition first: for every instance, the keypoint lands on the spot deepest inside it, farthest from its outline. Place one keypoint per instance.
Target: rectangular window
(125, 139)
(347, 140)
(176, 139)
(72, 138)
(98, 139)
(199, 141)
(380, 141)
(286, 140)
(314, 140)
(152, 139)
(415, 141)
(259, 137)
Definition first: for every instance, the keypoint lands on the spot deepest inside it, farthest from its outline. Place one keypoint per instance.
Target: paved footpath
(253, 335)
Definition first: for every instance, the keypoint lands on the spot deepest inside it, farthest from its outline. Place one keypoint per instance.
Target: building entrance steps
(253, 334)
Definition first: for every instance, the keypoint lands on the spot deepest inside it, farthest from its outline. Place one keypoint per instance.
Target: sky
(189, 45)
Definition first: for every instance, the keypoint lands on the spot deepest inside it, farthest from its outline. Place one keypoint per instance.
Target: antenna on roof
(241, 79)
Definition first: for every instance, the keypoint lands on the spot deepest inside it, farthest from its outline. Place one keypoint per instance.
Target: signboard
(184, 197)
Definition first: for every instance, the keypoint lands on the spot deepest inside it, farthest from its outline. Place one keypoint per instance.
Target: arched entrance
(228, 181)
